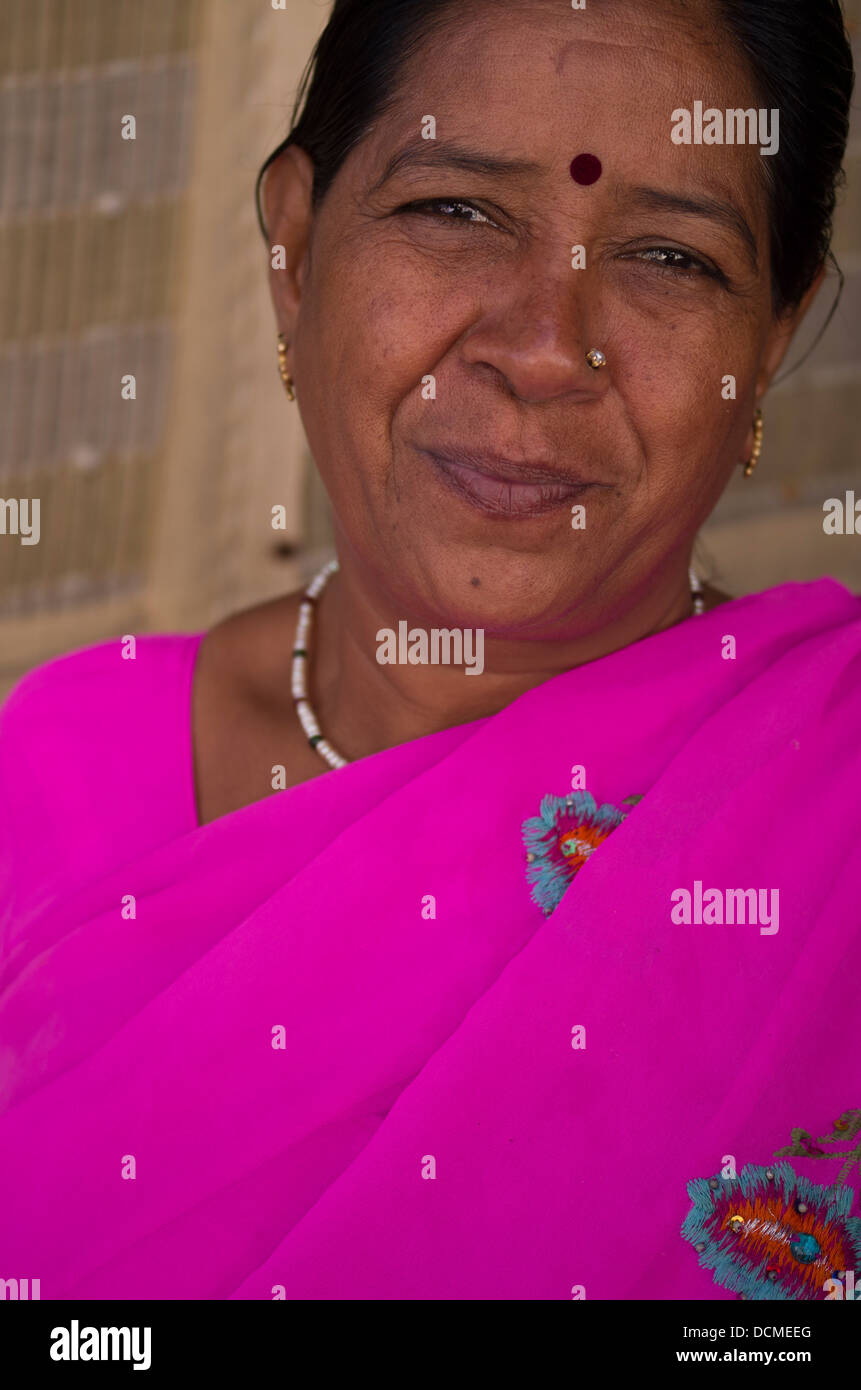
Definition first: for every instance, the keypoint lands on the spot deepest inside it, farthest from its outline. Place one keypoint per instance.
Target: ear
(781, 334)
(287, 215)
(777, 342)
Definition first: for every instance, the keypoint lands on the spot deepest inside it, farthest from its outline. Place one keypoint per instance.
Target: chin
(517, 594)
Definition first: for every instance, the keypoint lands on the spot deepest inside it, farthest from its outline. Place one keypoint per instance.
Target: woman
(332, 972)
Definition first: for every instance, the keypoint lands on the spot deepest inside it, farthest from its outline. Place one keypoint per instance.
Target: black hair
(801, 63)
(350, 79)
(797, 51)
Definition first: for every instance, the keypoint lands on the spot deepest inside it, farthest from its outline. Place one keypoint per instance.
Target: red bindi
(586, 168)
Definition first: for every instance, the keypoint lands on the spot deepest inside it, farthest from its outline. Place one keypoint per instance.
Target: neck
(364, 707)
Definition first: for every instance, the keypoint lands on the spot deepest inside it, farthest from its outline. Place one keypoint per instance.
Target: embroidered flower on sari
(770, 1234)
(561, 839)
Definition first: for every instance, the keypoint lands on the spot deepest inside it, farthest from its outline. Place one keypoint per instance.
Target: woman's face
(478, 293)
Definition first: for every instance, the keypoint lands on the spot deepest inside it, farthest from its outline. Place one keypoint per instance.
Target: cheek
(350, 347)
(685, 376)
(385, 311)
(696, 329)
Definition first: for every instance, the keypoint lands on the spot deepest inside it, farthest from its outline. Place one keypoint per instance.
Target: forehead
(540, 81)
(548, 38)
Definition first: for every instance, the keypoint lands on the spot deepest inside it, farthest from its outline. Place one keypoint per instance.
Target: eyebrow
(436, 154)
(661, 200)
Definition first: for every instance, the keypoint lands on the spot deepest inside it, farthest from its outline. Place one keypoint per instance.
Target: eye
(681, 263)
(449, 210)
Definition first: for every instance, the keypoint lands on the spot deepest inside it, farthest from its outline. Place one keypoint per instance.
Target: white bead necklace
(696, 593)
(307, 717)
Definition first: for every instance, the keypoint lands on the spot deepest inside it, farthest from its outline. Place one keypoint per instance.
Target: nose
(534, 336)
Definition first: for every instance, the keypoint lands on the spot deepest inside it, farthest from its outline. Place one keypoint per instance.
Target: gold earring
(757, 444)
(282, 367)
(596, 359)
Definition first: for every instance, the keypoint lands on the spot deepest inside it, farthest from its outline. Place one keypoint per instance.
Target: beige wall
(156, 512)
(230, 412)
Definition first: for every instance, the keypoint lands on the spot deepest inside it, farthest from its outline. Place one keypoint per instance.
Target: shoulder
(242, 707)
(95, 694)
(95, 758)
(816, 623)
(250, 651)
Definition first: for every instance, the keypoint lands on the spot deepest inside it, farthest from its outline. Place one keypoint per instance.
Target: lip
(501, 486)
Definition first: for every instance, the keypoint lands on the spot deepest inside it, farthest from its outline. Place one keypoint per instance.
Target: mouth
(499, 486)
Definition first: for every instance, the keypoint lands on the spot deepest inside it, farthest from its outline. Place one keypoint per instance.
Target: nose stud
(596, 359)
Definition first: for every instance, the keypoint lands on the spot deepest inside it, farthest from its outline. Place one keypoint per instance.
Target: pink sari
(340, 1052)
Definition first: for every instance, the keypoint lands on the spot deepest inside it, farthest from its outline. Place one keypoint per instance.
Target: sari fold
(484, 1102)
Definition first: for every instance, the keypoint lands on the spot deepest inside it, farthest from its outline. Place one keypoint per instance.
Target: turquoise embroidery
(561, 839)
(771, 1234)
